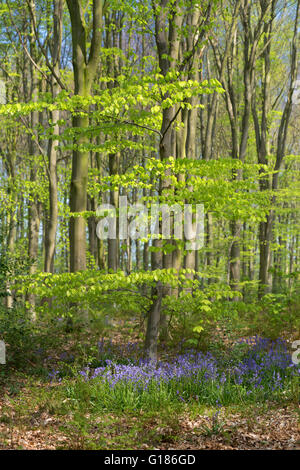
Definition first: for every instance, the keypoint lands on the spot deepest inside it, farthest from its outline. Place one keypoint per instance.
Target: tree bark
(84, 68)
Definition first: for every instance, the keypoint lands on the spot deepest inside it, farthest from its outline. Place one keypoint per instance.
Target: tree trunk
(51, 224)
(84, 68)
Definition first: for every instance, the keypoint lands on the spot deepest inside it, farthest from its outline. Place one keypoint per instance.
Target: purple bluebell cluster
(143, 373)
(266, 362)
(264, 366)
(120, 376)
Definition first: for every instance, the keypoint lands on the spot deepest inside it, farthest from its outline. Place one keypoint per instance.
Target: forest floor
(250, 428)
(267, 426)
(28, 422)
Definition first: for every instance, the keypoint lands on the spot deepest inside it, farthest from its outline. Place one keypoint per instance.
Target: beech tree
(164, 102)
(85, 63)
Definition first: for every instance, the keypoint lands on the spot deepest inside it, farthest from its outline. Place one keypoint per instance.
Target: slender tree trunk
(113, 244)
(51, 225)
(34, 206)
(84, 68)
